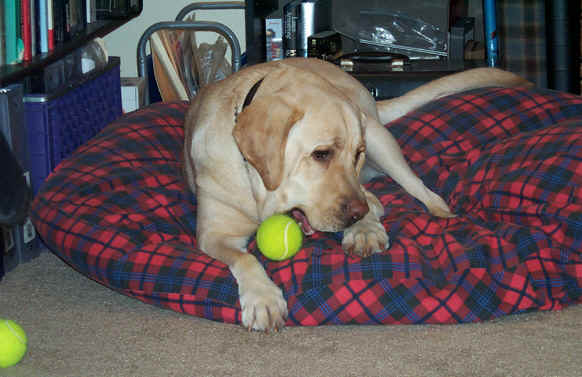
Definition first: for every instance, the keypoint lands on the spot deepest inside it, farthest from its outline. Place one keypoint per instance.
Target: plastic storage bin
(58, 123)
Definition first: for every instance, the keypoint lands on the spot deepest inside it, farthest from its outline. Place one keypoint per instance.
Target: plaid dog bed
(508, 161)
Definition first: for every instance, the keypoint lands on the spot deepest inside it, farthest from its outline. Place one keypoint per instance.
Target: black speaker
(563, 44)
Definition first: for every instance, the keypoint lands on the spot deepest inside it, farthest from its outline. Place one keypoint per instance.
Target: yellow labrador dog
(299, 136)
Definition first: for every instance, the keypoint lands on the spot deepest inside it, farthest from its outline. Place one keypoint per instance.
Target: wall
(123, 41)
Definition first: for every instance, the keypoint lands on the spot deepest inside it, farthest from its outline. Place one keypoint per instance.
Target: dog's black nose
(355, 210)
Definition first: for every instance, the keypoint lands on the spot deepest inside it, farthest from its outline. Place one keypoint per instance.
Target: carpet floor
(78, 328)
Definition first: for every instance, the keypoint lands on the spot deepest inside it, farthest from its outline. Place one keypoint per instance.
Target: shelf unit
(11, 73)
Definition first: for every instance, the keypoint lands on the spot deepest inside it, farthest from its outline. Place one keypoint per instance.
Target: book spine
(12, 24)
(19, 42)
(2, 35)
(26, 30)
(60, 21)
(290, 15)
(43, 26)
(50, 25)
(80, 17)
(273, 35)
(34, 26)
(74, 17)
(67, 18)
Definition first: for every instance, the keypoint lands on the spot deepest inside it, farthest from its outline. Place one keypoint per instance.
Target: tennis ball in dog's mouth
(279, 237)
(12, 343)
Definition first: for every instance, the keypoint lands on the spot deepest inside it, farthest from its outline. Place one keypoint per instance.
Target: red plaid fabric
(509, 162)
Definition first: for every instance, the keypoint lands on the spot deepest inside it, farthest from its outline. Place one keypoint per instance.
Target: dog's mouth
(301, 218)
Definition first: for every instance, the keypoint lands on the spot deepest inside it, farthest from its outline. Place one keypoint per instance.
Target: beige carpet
(77, 327)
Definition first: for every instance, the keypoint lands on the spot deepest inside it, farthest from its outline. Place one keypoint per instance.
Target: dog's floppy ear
(261, 132)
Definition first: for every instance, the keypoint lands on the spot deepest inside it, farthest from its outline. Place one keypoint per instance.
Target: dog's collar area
(249, 97)
(251, 93)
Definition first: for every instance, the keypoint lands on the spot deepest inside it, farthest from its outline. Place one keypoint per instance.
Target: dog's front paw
(366, 237)
(263, 306)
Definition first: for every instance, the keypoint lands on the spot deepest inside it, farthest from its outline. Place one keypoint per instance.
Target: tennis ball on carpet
(12, 343)
(279, 237)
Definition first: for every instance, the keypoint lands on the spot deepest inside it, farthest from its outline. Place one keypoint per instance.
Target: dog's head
(306, 143)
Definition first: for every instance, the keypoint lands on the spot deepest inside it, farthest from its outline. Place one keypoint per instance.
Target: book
(69, 19)
(75, 17)
(43, 25)
(290, 16)
(34, 26)
(2, 35)
(273, 35)
(50, 24)
(59, 21)
(26, 29)
(14, 46)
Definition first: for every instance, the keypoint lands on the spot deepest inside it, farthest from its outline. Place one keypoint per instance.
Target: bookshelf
(11, 73)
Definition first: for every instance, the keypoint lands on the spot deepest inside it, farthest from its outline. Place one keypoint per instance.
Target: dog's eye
(322, 155)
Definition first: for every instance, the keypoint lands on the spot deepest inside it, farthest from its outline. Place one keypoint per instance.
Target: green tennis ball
(279, 237)
(12, 343)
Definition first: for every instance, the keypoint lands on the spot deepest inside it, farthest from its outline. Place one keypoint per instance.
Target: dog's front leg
(222, 233)
(263, 306)
(367, 236)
